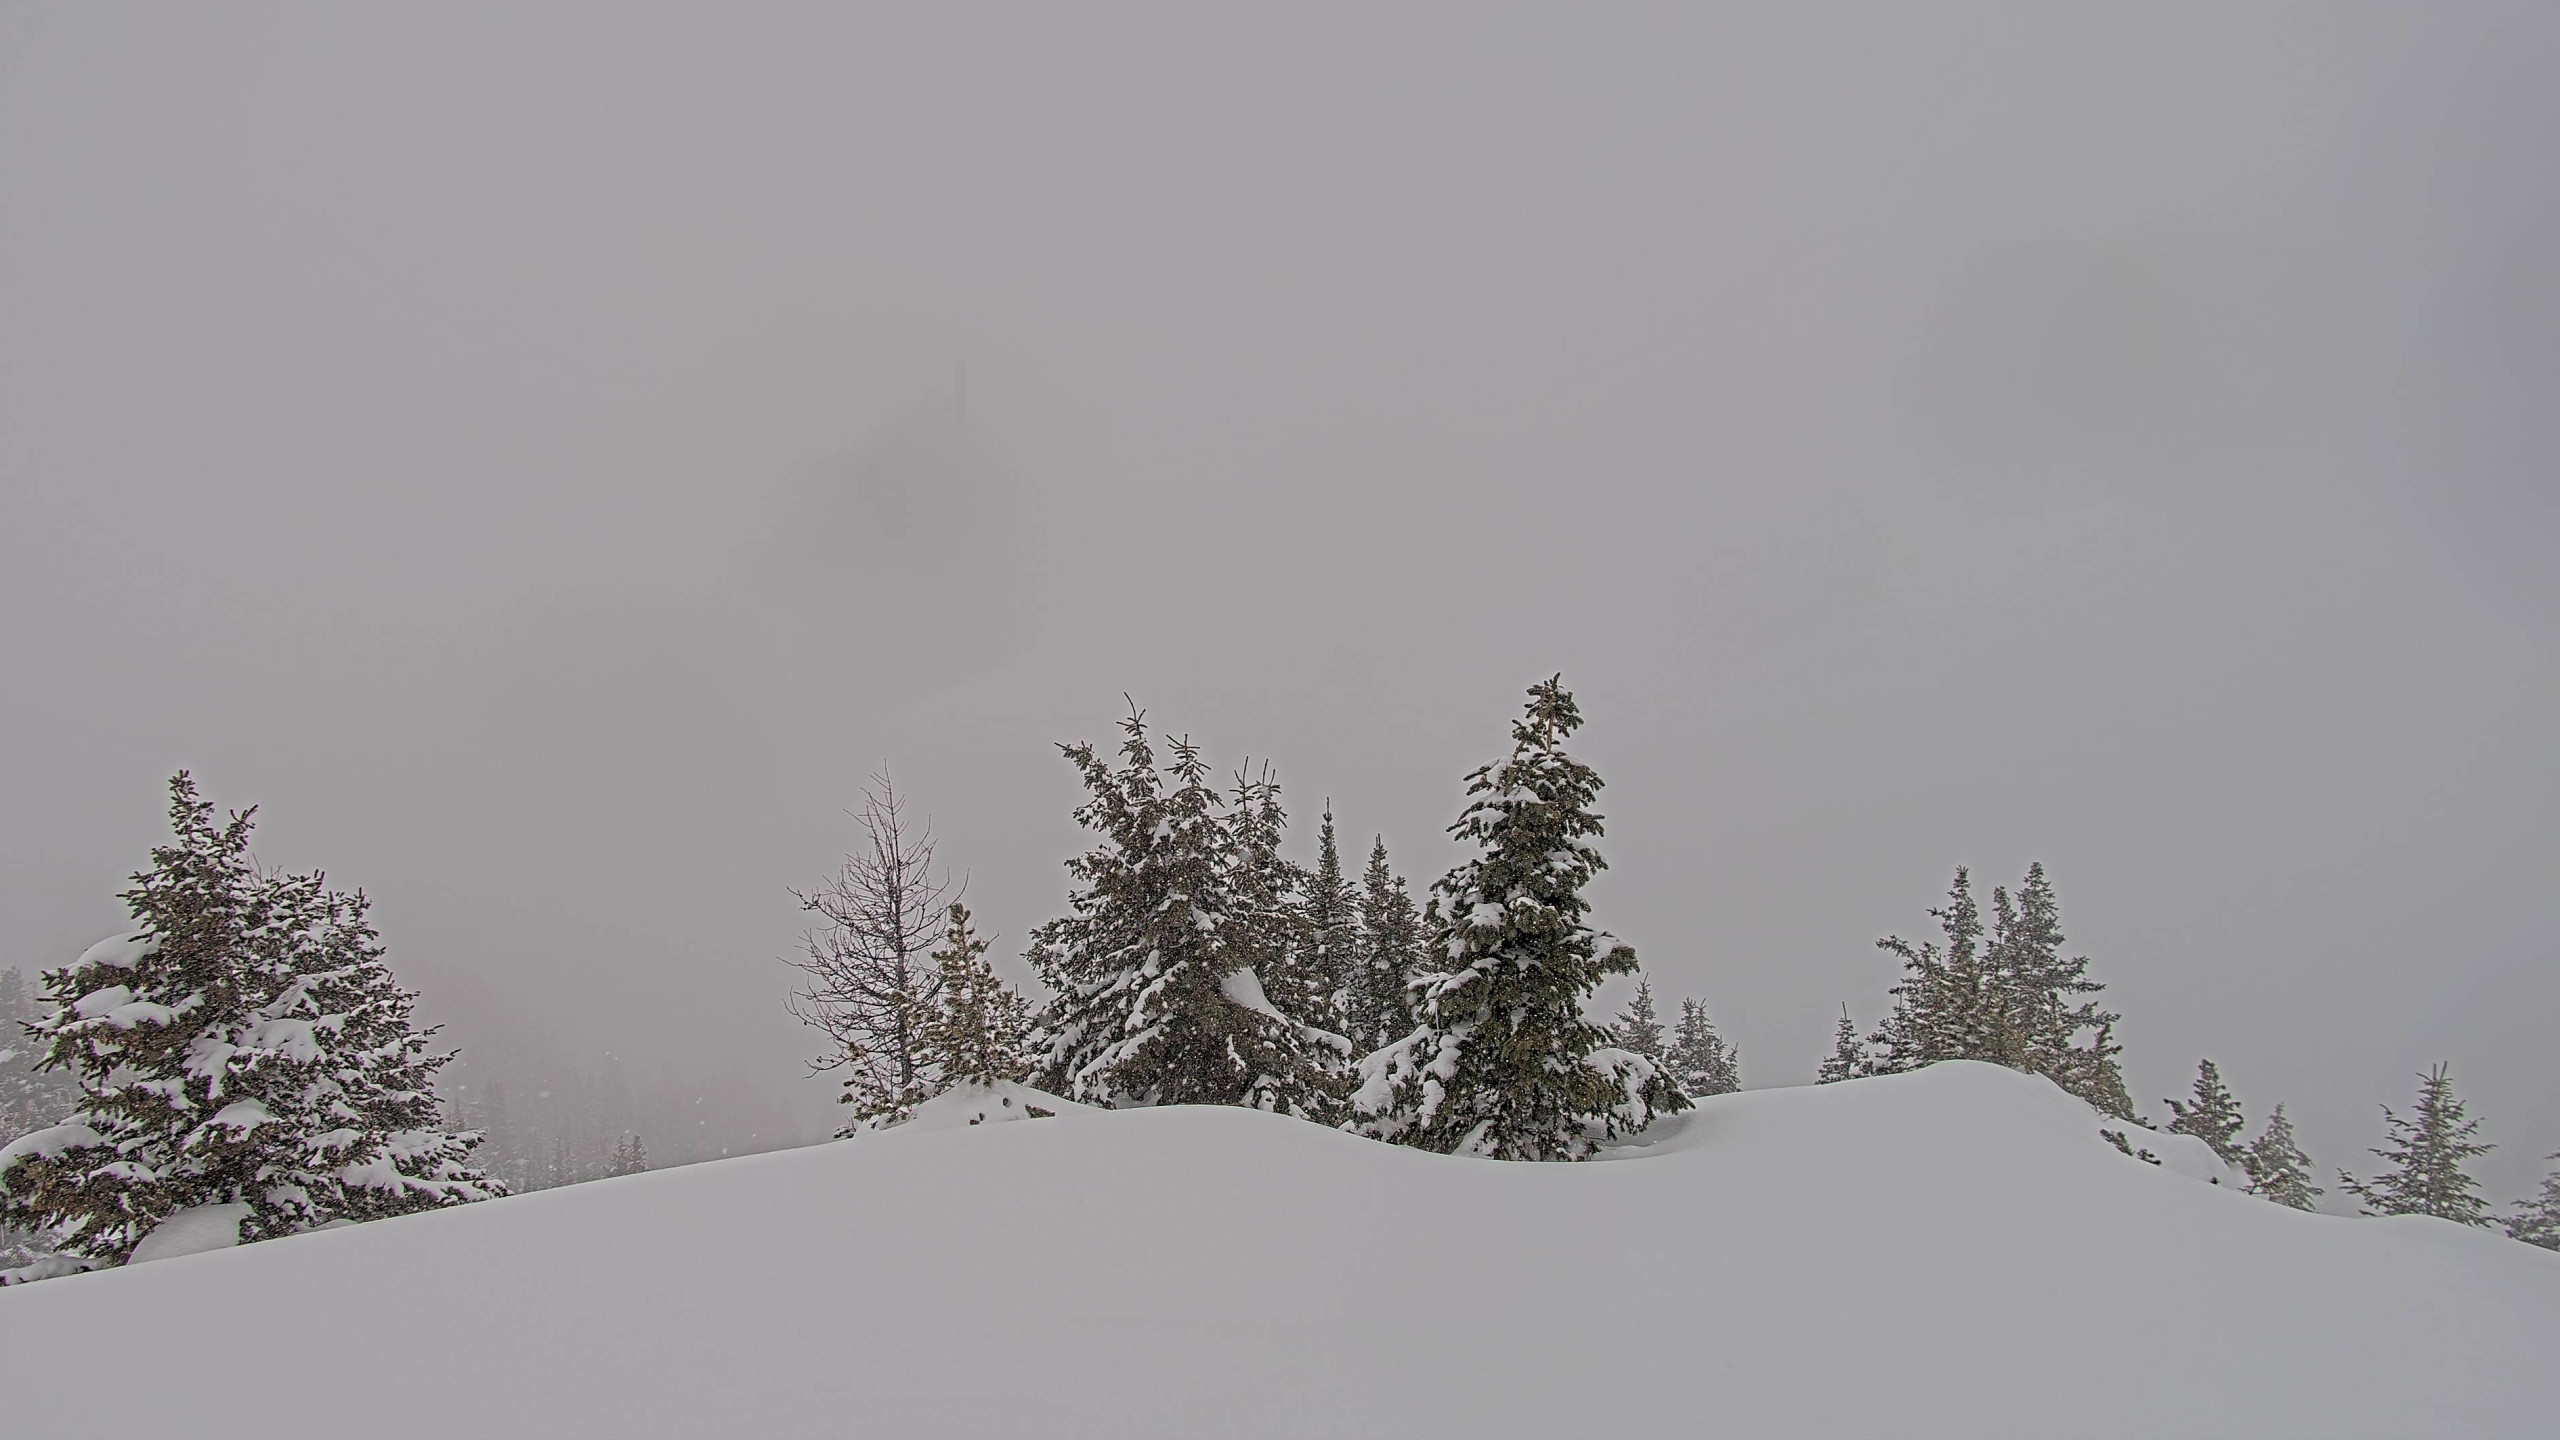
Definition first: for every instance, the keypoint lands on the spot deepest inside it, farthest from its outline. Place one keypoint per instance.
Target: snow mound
(192, 1232)
(966, 1105)
(1955, 1252)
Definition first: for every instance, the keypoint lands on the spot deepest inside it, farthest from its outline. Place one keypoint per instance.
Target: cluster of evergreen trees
(2010, 998)
(1701, 1062)
(2424, 1157)
(244, 1044)
(2274, 1163)
(2013, 998)
(1197, 965)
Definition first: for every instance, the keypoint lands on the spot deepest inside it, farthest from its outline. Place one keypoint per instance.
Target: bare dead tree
(871, 985)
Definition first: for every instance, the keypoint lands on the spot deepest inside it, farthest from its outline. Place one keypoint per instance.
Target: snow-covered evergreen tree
(1268, 927)
(2426, 1155)
(1700, 1060)
(1503, 1061)
(1154, 996)
(2277, 1167)
(1390, 954)
(1333, 929)
(981, 1031)
(870, 989)
(243, 1044)
(2537, 1221)
(1640, 1028)
(375, 1145)
(1848, 1057)
(2211, 1116)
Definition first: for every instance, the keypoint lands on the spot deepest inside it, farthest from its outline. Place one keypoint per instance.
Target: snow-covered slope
(1954, 1252)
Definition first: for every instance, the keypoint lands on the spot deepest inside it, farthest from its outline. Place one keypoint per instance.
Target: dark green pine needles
(1502, 1062)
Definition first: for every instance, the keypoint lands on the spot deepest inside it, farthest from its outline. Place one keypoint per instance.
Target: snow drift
(1952, 1252)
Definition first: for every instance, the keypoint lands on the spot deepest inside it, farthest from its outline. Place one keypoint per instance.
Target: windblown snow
(1951, 1252)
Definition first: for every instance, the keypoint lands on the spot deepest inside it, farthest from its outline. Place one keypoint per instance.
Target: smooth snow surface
(1952, 1253)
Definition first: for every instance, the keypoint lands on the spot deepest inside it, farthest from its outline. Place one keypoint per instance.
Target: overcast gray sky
(523, 448)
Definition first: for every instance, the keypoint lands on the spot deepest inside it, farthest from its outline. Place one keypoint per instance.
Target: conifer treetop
(1504, 1063)
(2276, 1166)
(2212, 1116)
(2426, 1153)
(1847, 1059)
(1640, 1028)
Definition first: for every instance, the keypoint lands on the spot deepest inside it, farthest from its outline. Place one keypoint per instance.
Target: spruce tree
(243, 1044)
(1503, 1062)
(2537, 1221)
(1941, 1006)
(2426, 1155)
(1700, 1060)
(1390, 944)
(1269, 930)
(1333, 929)
(1848, 1058)
(1154, 996)
(1640, 1029)
(2212, 1116)
(2277, 1167)
(2049, 1000)
(980, 1034)
(376, 1145)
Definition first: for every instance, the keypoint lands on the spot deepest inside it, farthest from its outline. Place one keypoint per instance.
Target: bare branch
(870, 982)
